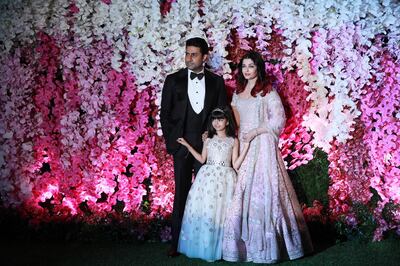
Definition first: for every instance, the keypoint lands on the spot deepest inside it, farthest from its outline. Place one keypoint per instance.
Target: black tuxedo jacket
(174, 101)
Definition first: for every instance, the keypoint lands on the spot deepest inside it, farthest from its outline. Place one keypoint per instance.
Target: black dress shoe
(172, 252)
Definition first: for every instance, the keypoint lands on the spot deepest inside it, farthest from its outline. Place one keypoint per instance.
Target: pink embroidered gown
(265, 223)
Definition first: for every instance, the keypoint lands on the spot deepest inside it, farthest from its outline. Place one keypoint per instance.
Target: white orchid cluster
(21, 20)
(224, 16)
(15, 134)
(347, 67)
(334, 90)
(156, 43)
(341, 72)
(153, 43)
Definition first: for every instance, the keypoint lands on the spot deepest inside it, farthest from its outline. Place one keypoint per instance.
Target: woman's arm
(236, 116)
(238, 159)
(235, 111)
(199, 157)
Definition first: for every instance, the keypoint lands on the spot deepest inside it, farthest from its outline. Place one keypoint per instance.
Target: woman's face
(249, 69)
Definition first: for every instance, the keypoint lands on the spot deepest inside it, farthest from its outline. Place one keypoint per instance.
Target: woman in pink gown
(265, 223)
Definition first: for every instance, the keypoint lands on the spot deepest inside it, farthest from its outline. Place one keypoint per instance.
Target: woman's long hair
(263, 83)
(219, 113)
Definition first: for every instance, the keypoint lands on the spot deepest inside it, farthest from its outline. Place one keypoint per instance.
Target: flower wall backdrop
(81, 81)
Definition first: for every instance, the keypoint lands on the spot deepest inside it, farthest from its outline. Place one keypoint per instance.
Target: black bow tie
(196, 75)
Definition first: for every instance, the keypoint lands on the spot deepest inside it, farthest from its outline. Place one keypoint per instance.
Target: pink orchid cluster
(86, 138)
(295, 139)
(48, 104)
(380, 107)
(350, 175)
(107, 2)
(162, 182)
(370, 159)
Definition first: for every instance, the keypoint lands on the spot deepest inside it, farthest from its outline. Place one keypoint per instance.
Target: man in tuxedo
(188, 97)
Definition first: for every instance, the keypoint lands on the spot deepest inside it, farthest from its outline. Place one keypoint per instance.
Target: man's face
(194, 59)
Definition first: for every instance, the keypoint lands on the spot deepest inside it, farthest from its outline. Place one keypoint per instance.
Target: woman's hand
(245, 144)
(183, 142)
(249, 136)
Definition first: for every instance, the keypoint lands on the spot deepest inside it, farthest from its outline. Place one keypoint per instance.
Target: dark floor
(385, 253)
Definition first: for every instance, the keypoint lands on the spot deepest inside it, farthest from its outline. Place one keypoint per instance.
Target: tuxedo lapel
(182, 89)
(208, 96)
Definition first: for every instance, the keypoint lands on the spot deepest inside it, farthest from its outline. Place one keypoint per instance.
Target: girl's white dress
(207, 203)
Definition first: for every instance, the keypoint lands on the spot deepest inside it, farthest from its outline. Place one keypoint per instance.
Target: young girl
(211, 192)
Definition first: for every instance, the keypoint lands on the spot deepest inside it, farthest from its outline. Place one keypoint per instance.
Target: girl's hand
(183, 142)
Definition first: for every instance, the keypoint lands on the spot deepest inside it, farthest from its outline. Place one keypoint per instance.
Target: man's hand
(204, 136)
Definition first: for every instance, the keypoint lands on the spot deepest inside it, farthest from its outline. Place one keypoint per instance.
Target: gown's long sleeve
(273, 117)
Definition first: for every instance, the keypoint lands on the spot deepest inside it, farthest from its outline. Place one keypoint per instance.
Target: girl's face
(249, 69)
(219, 124)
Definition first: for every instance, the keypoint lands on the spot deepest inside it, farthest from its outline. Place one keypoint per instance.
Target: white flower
(27, 146)
(8, 135)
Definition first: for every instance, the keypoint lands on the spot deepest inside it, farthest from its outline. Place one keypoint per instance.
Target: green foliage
(389, 211)
(311, 181)
(361, 228)
(360, 224)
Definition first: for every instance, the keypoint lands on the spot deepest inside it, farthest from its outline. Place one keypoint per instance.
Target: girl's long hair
(263, 83)
(219, 113)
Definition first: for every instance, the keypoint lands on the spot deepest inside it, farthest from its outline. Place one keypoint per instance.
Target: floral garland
(380, 105)
(344, 71)
(17, 129)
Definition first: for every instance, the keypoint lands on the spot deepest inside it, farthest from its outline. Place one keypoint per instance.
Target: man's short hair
(198, 42)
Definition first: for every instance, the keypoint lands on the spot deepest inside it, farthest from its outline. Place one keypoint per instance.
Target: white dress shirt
(196, 93)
